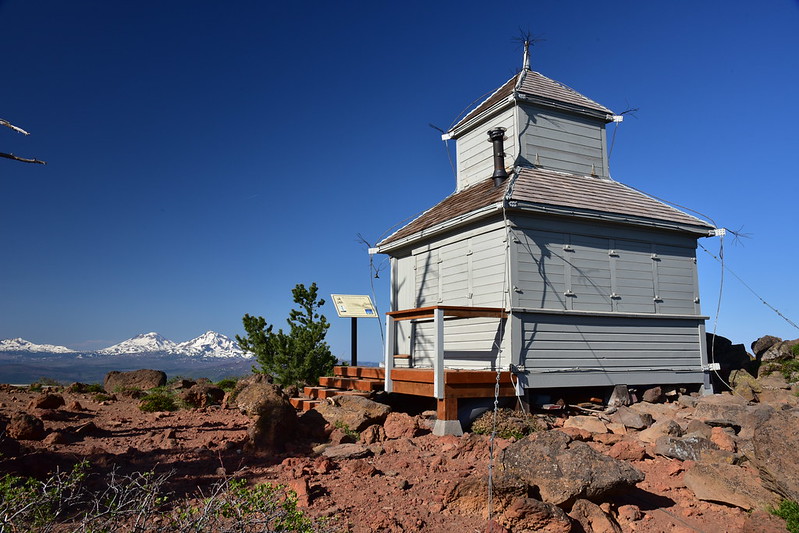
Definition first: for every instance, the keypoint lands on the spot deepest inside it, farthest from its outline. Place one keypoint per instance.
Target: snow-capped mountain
(212, 344)
(208, 345)
(21, 345)
(144, 343)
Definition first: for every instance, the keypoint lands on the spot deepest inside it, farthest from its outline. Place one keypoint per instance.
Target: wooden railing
(438, 313)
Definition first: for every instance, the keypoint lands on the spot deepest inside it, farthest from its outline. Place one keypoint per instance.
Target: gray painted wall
(475, 155)
(602, 304)
(464, 269)
(565, 142)
(569, 265)
(593, 303)
(572, 350)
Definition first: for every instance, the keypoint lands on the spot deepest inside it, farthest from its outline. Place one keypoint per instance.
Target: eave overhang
(617, 218)
(440, 228)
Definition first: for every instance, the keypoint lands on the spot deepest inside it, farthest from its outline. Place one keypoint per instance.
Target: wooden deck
(458, 384)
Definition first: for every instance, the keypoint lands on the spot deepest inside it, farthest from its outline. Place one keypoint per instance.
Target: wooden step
(316, 393)
(402, 356)
(304, 404)
(363, 372)
(338, 382)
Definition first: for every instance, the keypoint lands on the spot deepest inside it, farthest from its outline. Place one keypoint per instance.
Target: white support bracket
(717, 232)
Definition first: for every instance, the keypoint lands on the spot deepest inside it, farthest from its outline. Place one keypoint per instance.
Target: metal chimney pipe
(497, 138)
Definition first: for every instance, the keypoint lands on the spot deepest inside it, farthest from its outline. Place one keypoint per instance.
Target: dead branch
(23, 159)
(7, 124)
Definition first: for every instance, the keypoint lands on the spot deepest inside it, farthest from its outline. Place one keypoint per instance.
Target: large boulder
(631, 419)
(47, 401)
(399, 425)
(726, 407)
(729, 356)
(593, 519)
(764, 343)
(274, 420)
(24, 426)
(691, 449)
(353, 412)
(513, 508)
(526, 514)
(745, 385)
(562, 470)
(664, 428)
(589, 423)
(776, 453)
(203, 395)
(728, 484)
(144, 379)
(780, 351)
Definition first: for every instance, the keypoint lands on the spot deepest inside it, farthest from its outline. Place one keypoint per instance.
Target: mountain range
(208, 345)
(210, 355)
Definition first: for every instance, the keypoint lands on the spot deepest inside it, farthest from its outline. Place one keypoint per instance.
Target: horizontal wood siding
(461, 268)
(475, 155)
(588, 346)
(563, 142)
(468, 343)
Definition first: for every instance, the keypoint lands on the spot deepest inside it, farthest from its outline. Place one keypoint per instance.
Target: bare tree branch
(7, 124)
(23, 159)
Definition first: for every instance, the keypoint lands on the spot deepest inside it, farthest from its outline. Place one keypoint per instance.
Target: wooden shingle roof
(560, 193)
(586, 194)
(466, 201)
(544, 89)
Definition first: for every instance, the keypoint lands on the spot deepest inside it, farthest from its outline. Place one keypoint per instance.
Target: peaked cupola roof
(534, 87)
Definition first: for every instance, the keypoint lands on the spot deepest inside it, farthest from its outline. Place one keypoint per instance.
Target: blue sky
(204, 157)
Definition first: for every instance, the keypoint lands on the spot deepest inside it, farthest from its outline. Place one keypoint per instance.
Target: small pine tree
(299, 356)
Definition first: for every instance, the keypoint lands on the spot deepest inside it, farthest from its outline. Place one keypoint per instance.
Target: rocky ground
(674, 463)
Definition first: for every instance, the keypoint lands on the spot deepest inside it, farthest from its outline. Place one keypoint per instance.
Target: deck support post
(388, 363)
(447, 422)
(438, 354)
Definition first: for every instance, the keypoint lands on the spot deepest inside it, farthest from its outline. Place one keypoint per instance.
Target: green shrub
(262, 507)
(66, 501)
(103, 397)
(509, 423)
(30, 505)
(94, 387)
(227, 384)
(788, 510)
(346, 429)
(795, 350)
(789, 369)
(158, 401)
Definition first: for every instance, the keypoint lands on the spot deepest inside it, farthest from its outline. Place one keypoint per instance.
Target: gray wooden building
(596, 280)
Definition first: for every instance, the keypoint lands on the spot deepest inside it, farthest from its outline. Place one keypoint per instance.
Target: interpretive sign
(354, 305)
